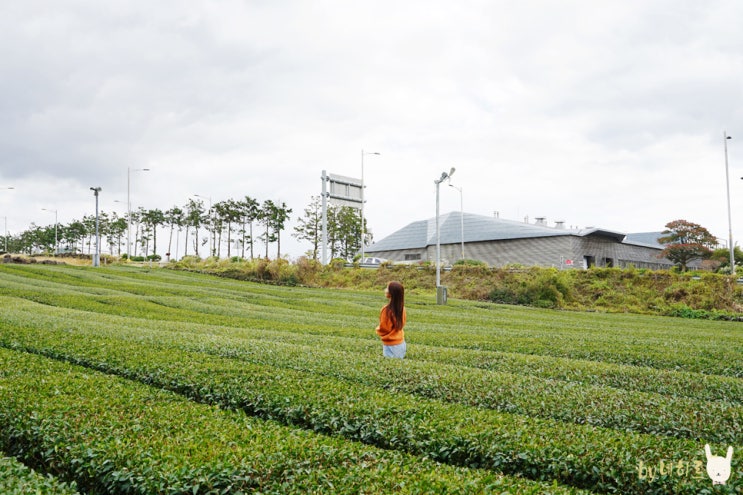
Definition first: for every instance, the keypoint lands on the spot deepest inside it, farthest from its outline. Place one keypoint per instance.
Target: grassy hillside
(690, 295)
(126, 380)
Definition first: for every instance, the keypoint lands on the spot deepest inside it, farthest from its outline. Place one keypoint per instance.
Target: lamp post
(6, 223)
(97, 255)
(209, 240)
(440, 291)
(129, 208)
(461, 214)
(56, 242)
(731, 247)
(363, 227)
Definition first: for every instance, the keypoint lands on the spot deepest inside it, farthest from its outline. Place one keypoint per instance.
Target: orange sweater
(388, 334)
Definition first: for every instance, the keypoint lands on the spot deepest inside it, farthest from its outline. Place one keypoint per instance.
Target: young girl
(392, 320)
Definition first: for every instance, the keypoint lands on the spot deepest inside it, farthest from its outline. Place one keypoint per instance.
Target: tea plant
(17, 479)
(583, 400)
(115, 436)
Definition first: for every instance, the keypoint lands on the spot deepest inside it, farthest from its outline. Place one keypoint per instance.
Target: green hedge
(553, 396)
(579, 455)
(17, 479)
(117, 437)
(670, 413)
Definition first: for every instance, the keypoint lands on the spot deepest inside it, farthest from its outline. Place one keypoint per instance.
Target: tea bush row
(163, 295)
(17, 479)
(304, 331)
(585, 457)
(506, 391)
(114, 437)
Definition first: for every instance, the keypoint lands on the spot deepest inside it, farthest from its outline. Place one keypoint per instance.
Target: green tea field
(123, 380)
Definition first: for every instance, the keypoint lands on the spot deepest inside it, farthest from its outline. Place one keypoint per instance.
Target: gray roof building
(504, 242)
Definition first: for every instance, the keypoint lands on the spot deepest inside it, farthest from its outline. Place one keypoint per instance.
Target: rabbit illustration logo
(718, 468)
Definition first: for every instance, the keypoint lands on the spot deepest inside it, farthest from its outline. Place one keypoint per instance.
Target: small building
(500, 242)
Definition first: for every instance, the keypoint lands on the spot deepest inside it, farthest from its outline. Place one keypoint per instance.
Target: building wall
(559, 251)
(542, 251)
(604, 252)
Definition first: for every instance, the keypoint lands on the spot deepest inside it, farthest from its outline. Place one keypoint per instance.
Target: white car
(372, 261)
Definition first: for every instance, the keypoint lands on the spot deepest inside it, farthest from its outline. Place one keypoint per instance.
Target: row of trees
(238, 224)
(230, 223)
(343, 226)
(230, 227)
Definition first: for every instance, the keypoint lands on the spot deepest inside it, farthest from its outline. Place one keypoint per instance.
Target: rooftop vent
(540, 220)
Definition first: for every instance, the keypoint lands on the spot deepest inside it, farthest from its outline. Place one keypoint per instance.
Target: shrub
(466, 262)
(307, 269)
(283, 272)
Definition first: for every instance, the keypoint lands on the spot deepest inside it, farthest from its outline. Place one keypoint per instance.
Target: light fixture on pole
(129, 209)
(209, 239)
(363, 227)
(731, 246)
(440, 291)
(97, 255)
(56, 242)
(461, 215)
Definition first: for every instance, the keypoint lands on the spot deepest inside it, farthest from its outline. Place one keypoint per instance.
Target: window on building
(412, 257)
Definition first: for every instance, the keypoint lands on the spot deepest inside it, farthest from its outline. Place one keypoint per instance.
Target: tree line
(227, 228)
(343, 227)
(234, 224)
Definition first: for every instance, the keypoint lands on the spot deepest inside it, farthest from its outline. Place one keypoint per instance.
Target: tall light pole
(6, 222)
(97, 255)
(56, 243)
(461, 215)
(363, 227)
(129, 208)
(440, 291)
(209, 239)
(731, 246)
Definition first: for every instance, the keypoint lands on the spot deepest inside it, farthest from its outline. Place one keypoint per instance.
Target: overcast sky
(597, 113)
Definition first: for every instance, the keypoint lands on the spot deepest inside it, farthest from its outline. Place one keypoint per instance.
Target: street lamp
(97, 255)
(56, 243)
(129, 209)
(731, 247)
(461, 214)
(363, 227)
(6, 223)
(209, 239)
(440, 291)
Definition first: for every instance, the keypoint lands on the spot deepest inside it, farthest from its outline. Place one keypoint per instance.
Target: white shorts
(395, 351)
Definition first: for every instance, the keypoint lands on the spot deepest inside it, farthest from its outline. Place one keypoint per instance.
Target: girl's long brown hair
(396, 304)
